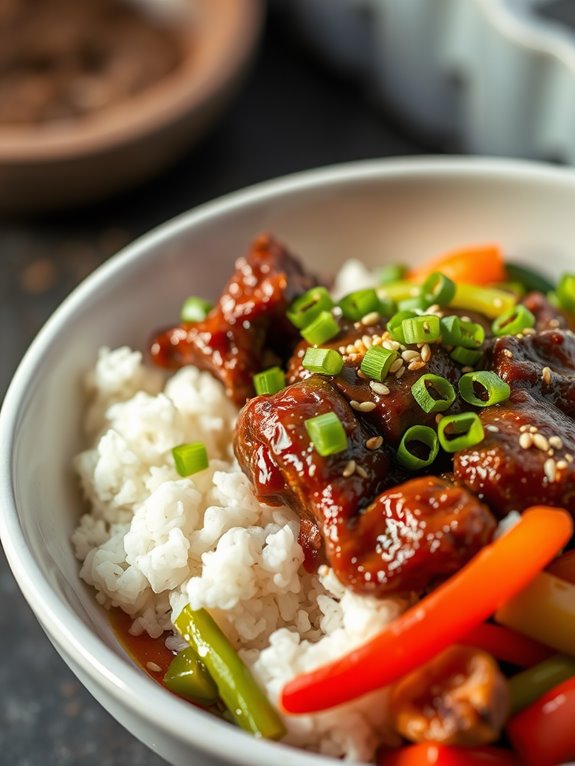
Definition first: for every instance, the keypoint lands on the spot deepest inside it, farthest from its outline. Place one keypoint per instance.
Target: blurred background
(116, 116)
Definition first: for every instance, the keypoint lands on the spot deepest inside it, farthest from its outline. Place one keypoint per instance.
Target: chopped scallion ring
(410, 452)
(327, 433)
(190, 458)
(305, 308)
(269, 381)
(421, 329)
(433, 393)
(457, 432)
(418, 303)
(459, 332)
(483, 388)
(377, 361)
(359, 303)
(325, 361)
(391, 273)
(466, 356)
(394, 325)
(323, 328)
(195, 309)
(513, 322)
(438, 289)
(566, 292)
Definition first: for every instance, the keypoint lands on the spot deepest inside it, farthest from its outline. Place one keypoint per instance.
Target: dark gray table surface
(292, 114)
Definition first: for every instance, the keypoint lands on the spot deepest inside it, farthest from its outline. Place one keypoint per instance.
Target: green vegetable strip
(513, 322)
(422, 329)
(485, 300)
(391, 273)
(466, 356)
(307, 307)
(323, 328)
(269, 381)
(418, 434)
(530, 684)
(456, 432)
(188, 677)
(394, 325)
(566, 292)
(398, 291)
(325, 361)
(459, 332)
(433, 393)
(530, 279)
(359, 303)
(495, 390)
(377, 361)
(438, 288)
(413, 304)
(326, 433)
(247, 703)
(190, 458)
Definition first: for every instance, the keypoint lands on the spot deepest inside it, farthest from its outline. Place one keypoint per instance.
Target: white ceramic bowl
(383, 210)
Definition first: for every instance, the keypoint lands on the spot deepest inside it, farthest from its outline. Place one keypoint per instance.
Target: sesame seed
(426, 326)
(366, 406)
(417, 364)
(550, 452)
(467, 368)
(369, 319)
(410, 355)
(349, 469)
(362, 472)
(525, 440)
(337, 312)
(399, 373)
(341, 349)
(556, 441)
(529, 331)
(533, 429)
(366, 340)
(379, 388)
(375, 442)
(508, 353)
(438, 417)
(391, 345)
(569, 457)
(154, 667)
(425, 352)
(553, 323)
(350, 348)
(550, 469)
(434, 308)
(523, 428)
(396, 365)
(541, 442)
(466, 319)
(354, 404)
(561, 465)
(546, 375)
(493, 429)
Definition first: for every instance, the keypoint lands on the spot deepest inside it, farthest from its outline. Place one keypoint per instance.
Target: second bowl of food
(320, 496)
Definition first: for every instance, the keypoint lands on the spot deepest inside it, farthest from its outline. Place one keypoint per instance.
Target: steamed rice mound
(153, 542)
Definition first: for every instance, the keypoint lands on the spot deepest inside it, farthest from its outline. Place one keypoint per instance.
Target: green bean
(237, 687)
(530, 684)
(530, 279)
(188, 677)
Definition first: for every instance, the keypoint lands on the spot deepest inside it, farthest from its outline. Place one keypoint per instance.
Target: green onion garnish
(359, 303)
(269, 381)
(438, 289)
(458, 432)
(394, 325)
(485, 300)
(391, 273)
(195, 309)
(326, 433)
(418, 303)
(483, 388)
(398, 291)
(433, 393)
(466, 356)
(305, 308)
(190, 458)
(513, 322)
(459, 332)
(530, 279)
(323, 360)
(323, 328)
(566, 292)
(415, 442)
(422, 329)
(377, 361)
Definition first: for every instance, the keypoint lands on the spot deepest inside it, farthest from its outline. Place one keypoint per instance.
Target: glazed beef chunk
(247, 330)
(394, 409)
(526, 456)
(542, 363)
(547, 316)
(393, 542)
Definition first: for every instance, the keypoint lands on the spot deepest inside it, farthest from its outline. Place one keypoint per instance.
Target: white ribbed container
(495, 73)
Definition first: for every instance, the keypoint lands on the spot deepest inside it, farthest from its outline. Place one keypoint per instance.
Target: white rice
(153, 542)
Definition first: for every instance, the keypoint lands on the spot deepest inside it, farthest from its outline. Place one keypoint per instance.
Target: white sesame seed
(529, 331)
(438, 417)
(399, 373)
(467, 368)
(541, 442)
(379, 388)
(556, 441)
(465, 319)
(569, 457)
(533, 429)
(349, 469)
(375, 442)
(361, 374)
(369, 319)
(493, 429)
(396, 365)
(366, 340)
(525, 440)
(366, 406)
(508, 353)
(553, 323)
(154, 667)
(523, 428)
(391, 345)
(546, 375)
(410, 354)
(550, 469)
(362, 472)
(561, 465)
(426, 352)
(417, 364)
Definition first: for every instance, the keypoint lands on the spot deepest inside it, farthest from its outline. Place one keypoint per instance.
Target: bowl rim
(186, 89)
(123, 681)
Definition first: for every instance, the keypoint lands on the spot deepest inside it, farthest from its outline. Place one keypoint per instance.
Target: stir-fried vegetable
(247, 703)
(486, 300)
(190, 458)
(447, 613)
(188, 677)
(531, 684)
(507, 645)
(435, 754)
(478, 265)
(530, 279)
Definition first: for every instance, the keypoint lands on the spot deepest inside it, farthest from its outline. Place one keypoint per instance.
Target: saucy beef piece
(543, 363)
(247, 330)
(397, 410)
(509, 476)
(547, 316)
(411, 535)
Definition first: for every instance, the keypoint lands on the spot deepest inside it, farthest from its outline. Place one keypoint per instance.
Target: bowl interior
(378, 212)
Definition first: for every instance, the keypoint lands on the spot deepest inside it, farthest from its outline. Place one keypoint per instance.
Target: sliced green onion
(305, 308)
(485, 300)
(566, 292)
(377, 361)
(387, 307)
(323, 360)
(359, 303)
(269, 381)
(413, 439)
(515, 288)
(326, 433)
(466, 356)
(421, 329)
(513, 322)
(399, 291)
(392, 272)
(323, 328)
(195, 309)
(433, 393)
(190, 458)
(458, 432)
(394, 325)
(188, 677)
(483, 388)
(247, 703)
(530, 279)
(438, 289)
(460, 332)
(530, 684)
(418, 303)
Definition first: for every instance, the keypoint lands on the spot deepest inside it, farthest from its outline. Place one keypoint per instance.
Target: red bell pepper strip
(493, 576)
(544, 733)
(432, 754)
(507, 645)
